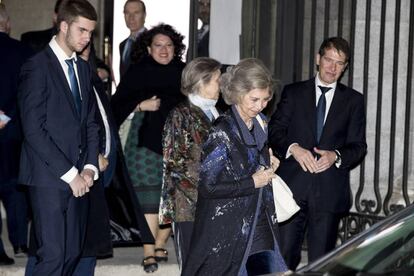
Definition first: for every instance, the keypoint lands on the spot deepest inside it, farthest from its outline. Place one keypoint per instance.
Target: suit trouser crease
(320, 228)
(59, 221)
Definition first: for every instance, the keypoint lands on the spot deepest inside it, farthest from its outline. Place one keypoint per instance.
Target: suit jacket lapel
(338, 103)
(84, 88)
(59, 78)
(309, 100)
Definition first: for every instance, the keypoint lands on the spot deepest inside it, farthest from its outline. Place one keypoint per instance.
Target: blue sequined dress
(229, 206)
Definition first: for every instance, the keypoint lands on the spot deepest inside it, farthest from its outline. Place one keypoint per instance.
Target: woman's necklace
(248, 121)
(249, 124)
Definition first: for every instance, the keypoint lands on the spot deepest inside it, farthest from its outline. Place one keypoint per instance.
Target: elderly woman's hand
(151, 104)
(274, 161)
(103, 163)
(2, 123)
(263, 177)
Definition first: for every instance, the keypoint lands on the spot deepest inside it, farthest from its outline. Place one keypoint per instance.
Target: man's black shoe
(5, 260)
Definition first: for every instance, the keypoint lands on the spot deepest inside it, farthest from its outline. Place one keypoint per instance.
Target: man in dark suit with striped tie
(134, 14)
(319, 131)
(59, 160)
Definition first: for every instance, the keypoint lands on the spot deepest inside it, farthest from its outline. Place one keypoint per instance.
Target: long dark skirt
(128, 224)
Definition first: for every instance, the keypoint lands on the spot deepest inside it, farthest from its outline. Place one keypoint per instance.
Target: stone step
(126, 262)
(108, 270)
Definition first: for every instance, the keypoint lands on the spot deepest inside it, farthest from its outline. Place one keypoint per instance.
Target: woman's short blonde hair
(199, 70)
(248, 74)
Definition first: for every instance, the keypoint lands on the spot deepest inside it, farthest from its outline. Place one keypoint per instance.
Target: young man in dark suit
(59, 158)
(12, 55)
(319, 128)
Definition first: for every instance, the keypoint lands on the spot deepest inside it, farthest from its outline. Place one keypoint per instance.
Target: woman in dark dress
(235, 227)
(150, 88)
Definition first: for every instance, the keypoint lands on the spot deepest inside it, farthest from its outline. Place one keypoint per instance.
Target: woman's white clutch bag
(285, 204)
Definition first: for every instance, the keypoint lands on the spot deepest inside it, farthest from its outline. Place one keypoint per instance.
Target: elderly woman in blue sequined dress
(235, 227)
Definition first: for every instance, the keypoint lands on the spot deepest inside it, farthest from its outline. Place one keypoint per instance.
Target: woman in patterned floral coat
(185, 131)
(235, 227)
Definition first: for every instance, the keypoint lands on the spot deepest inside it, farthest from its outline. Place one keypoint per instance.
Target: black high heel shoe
(161, 258)
(149, 267)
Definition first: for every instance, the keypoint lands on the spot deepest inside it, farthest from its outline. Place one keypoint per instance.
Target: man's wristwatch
(338, 158)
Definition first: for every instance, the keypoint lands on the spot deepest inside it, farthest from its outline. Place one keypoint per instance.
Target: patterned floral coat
(228, 203)
(185, 131)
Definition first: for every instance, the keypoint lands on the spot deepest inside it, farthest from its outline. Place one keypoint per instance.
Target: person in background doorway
(134, 15)
(203, 33)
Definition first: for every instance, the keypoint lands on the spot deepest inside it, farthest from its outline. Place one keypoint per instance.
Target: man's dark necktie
(320, 111)
(74, 85)
(127, 51)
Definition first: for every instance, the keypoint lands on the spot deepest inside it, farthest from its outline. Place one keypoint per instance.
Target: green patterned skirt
(145, 169)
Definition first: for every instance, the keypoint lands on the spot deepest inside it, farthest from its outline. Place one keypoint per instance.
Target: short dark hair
(57, 6)
(145, 40)
(71, 9)
(337, 43)
(136, 1)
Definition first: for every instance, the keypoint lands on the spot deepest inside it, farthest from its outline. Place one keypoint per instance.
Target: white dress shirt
(328, 95)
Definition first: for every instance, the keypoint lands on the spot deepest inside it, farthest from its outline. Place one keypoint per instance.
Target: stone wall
(37, 15)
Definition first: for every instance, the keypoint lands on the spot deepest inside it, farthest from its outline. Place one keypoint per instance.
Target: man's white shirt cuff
(92, 167)
(69, 175)
(288, 153)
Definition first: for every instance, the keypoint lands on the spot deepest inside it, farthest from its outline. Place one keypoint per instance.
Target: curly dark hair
(139, 49)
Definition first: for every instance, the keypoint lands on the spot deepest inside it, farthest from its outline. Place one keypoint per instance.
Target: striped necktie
(320, 111)
(74, 86)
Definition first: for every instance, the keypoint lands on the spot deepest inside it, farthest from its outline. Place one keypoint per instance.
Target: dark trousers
(261, 263)
(182, 238)
(15, 204)
(85, 266)
(59, 221)
(321, 229)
